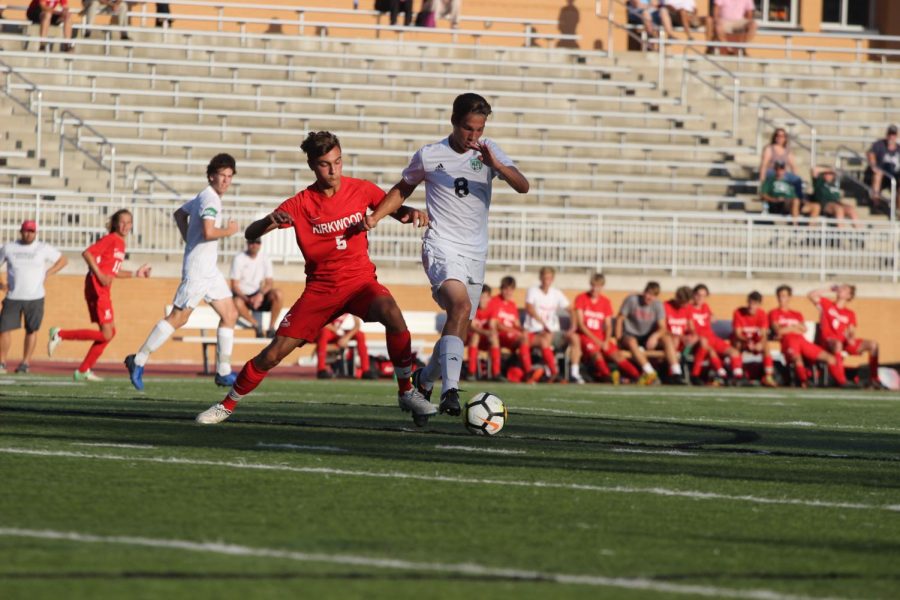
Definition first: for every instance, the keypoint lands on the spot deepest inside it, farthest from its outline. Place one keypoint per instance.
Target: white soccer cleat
(86, 376)
(213, 414)
(412, 401)
(54, 341)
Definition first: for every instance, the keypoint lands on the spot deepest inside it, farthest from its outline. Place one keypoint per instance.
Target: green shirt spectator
(779, 189)
(826, 189)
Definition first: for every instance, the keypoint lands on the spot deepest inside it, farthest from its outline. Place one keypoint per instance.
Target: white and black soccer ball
(484, 414)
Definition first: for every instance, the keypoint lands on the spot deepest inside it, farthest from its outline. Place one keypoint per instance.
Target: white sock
(224, 344)
(722, 373)
(158, 336)
(648, 369)
(575, 371)
(675, 369)
(432, 369)
(452, 349)
(739, 373)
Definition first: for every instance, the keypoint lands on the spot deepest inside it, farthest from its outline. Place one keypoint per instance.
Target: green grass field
(326, 490)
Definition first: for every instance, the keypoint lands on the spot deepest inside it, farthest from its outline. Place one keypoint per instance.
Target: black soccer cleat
(450, 403)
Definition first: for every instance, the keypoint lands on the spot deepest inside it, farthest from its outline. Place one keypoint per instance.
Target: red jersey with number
(834, 321)
(677, 318)
(701, 316)
(108, 253)
(321, 225)
(594, 313)
(786, 318)
(752, 327)
(505, 311)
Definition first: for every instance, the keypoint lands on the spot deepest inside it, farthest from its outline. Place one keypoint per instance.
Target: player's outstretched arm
(391, 203)
(274, 220)
(408, 214)
(510, 174)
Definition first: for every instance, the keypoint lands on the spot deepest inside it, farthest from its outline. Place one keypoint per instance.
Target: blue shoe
(226, 380)
(135, 373)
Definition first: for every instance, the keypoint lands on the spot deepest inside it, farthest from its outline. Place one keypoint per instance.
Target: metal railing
(734, 98)
(75, 141)
(150, 178)
(34, 106)
(864, 163)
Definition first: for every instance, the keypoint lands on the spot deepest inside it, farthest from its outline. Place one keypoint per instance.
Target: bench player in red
(710, 345)
(750, 333)
(512, 336)
(334, 335)
(104, 259)
(680, 332)
(789, 327)
(483, 337)
(594, 325)
(340, 277)
(837, 328)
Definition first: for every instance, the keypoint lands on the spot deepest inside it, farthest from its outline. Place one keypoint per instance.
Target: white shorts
(442, 264)
(192, 291)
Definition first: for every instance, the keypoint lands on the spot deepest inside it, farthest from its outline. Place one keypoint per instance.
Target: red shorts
(795, 346)
(99, 306)
(851, 348)
(718, 345)
(484, 342)
(590, 348)
(510, 339)
(320, 304)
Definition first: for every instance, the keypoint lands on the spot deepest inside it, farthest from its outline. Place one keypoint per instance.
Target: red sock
(362, 350)
(737, 362)
(400, 352)
(93, 354)
(525, 357)
(322, 351)
(802, 375)
(246, 382)
(602, 367)
(768, 365)
(629, 369)
(550, 360)
(837, 370)
(495, 361)
(873, 366)
(699, 356)
(92, 335)
(473, 359)
(716, 361)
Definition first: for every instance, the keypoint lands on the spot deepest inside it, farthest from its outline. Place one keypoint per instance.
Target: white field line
(301, 447)
(729, 394)
(111, 445)
(655, 491)
(639, 451)
(463, 569)
(478, 450)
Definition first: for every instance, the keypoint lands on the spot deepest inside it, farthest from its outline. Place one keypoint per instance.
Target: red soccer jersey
(320, 224)
(108, 253)
(595, 313)
(505, 311)
(677, 318)
(482, 316)
(702, 319)
(786, 318)
(834, 321)
(752, 326)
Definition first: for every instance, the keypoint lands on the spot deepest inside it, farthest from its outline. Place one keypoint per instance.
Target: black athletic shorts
(14, 310)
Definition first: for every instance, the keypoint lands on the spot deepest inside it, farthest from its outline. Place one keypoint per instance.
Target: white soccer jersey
(27, 266)
(250, 272)
(457, 194)
(547, 306)
(200, 255)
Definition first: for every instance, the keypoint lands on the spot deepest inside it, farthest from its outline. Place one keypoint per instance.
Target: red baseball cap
(29, 225)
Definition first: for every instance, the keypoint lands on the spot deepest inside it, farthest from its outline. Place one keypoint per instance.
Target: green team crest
(475, 164)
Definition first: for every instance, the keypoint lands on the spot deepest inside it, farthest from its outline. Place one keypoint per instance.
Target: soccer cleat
(498, 378)
(226, 380)
(22, 369)
(647, 378)
(615, 377)
(876, 384)
(135, 373)
(417, 383)
(324, 374)
(450, 403)
(370, 375)
(86, 376)
(769, 381)
(413, 402)
(213, 414)
(534, 376)
(577, 379)
(53, 341)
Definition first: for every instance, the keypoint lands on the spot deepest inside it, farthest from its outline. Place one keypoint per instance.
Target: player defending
(340, 277)
(103, 258)
(457, 172)
(200, 223)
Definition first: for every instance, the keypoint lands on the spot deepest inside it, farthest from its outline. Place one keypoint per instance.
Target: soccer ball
(484, 414)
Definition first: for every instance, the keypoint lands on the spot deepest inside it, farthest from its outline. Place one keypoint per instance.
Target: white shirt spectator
(688, 5)
(27, 266)
(547, 305)
(250, 273)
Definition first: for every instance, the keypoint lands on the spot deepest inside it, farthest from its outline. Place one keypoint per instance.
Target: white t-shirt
(200, 255)
(688, 5)
(547, 306)
(249, 272)
(457, 194)
(27, 266)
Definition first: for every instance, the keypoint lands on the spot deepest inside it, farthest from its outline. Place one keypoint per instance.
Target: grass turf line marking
(464, 569)
(618, 489)
(112, 445)
(300, 447)
(666, 452)
(479, 450)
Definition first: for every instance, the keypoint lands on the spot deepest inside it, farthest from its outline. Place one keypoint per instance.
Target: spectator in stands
(162, 8)
(708, 343)
(680, 13)
(732, 21)
(645, 13)
(338, 336)
(827, 192)
(27, 262)
(450, 11)
(51, 12)
(116, 8)
(425, 16)
(837, 328)
(750, 333)
(884, 158)
(401, 5)
(482, 336)
(641, 325)
(543, 303)
(252, 284)
(781, 198)
(778, 149)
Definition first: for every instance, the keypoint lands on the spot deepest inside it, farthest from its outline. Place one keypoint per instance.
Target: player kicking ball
(458, 172)
(340, 277)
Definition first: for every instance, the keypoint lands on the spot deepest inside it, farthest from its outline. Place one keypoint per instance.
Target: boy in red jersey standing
(505, 320)
(340, 277)
(837, 327)
(104, 259)
(711, 344)
(750, 333)
(483, 337)
(594, 324)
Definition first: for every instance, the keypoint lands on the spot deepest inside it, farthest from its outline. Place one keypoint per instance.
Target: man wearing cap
(26, 267)
(827, 192)
(884, 157)
(781, 198)
(252, 285)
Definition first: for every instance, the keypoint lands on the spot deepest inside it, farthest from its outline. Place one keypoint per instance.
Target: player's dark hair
(319, 143)
(598, 278)
(115, 218)
(652, 288)
(701, 286)
(507, 282)
(486, 289)
(469, 103)
(219, 162)
(683, 295)
(754, 296)
(784, 288)
(775, 133)
(852, 291)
